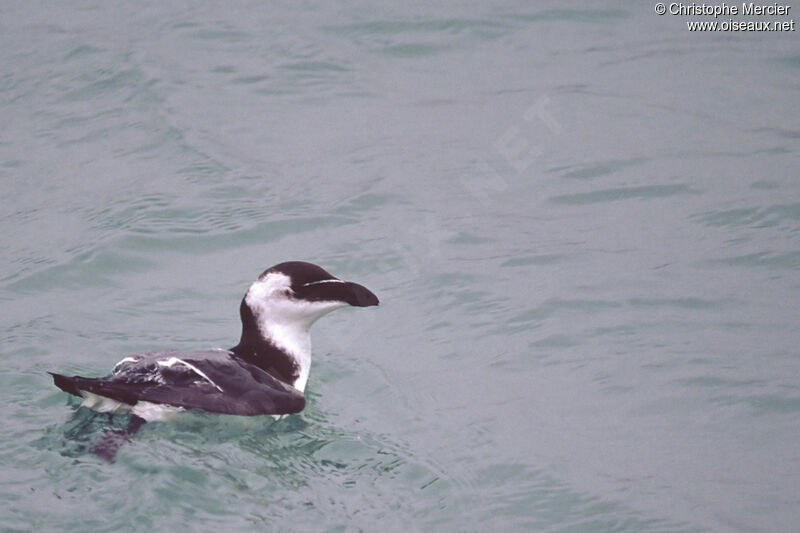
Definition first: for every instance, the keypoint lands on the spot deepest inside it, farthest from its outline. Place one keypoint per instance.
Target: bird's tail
(112, 439)
(67, 384)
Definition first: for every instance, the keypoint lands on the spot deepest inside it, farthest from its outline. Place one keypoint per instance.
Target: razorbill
(266, 373)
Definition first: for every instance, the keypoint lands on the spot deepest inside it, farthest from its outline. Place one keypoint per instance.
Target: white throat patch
(285, 321)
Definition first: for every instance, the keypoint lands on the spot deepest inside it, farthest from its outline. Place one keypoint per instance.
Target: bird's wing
(211, 381)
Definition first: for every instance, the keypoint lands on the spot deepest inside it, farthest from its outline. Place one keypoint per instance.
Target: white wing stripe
(173, 360)
(122, 362)
(322, 281)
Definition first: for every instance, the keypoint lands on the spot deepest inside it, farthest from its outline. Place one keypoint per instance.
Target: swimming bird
(264, 374)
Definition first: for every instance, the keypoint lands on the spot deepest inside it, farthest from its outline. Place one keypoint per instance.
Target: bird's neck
(275, 361)
(281, 349)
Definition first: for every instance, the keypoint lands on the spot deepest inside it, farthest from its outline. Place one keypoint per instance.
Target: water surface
(583, 224)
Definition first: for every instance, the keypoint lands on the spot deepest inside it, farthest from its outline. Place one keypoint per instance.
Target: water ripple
(754, 217)
(644, 192)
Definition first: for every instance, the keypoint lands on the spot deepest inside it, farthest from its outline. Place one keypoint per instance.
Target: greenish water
(583, 224)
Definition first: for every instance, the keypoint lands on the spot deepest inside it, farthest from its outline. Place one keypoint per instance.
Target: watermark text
(755, 11)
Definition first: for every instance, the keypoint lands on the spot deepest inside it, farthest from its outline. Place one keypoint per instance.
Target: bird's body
(154, 385)
(266, 373)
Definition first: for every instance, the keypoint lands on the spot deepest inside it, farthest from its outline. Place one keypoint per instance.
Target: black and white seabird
(266, 373)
